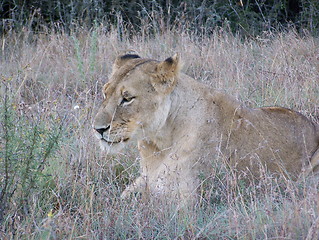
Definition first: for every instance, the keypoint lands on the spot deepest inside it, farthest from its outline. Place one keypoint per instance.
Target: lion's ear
(166, 74)
(123, 59)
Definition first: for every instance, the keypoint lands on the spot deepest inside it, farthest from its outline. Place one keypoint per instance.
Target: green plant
(27, 143)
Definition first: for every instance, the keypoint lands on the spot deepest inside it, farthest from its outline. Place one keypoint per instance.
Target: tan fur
(182, 126)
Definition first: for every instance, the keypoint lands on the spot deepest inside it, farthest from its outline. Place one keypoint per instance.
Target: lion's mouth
(114, 142)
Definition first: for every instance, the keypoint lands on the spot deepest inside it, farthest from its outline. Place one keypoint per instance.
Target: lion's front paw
(126, 194)
(137, 187)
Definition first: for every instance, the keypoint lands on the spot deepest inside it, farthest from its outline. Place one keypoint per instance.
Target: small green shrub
(27, 143)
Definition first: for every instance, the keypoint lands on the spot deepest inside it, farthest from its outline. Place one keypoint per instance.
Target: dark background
(248, 17)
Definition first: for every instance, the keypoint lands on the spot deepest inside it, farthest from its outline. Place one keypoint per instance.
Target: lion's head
(136, 100)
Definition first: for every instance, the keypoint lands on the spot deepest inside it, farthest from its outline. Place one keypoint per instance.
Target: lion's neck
(182, 124)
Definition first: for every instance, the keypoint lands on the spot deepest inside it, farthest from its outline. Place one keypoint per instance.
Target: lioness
(181, 125)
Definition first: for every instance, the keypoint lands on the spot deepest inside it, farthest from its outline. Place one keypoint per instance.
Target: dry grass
(59, 76)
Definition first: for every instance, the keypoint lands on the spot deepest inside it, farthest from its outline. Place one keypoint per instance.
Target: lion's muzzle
(105, 134)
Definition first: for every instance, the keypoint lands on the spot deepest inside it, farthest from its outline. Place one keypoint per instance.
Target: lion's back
(278, 138)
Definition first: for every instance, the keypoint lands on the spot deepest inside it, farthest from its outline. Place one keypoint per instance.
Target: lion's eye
(127, 99)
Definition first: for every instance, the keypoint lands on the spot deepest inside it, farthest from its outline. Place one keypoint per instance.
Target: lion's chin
(112, 148)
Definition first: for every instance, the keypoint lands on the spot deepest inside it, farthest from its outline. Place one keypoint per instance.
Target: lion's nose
(101, 130)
